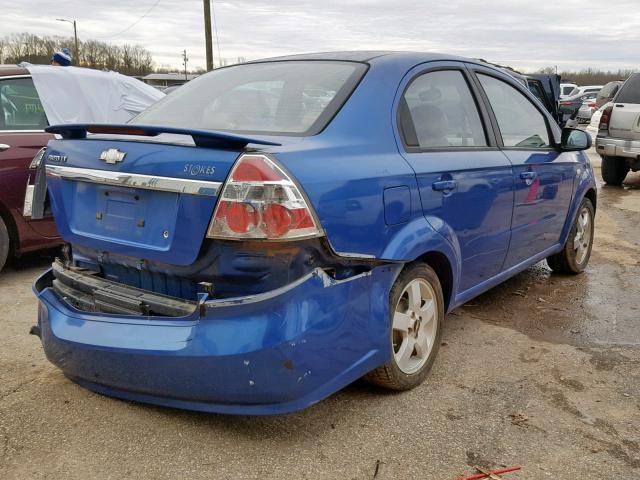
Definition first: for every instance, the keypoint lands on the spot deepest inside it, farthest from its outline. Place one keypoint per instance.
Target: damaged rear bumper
(271, 353)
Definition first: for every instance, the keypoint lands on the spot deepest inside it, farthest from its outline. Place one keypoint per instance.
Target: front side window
(521, 123)
(20, 107)
(443, 112)
(278, 98)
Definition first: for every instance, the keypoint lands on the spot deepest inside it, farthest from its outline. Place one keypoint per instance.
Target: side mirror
(574, 140)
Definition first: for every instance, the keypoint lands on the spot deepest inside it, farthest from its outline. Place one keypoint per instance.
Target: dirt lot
(543, 372)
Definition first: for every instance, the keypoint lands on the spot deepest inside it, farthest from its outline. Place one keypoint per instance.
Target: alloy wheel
(414, 326)
(582, 239)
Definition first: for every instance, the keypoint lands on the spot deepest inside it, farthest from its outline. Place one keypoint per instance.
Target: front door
(543, 177)
(465, 182)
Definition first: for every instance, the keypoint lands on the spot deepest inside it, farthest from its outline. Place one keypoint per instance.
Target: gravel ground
(542, 371)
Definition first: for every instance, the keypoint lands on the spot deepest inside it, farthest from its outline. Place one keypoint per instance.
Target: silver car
(586, 110)
(618, 140)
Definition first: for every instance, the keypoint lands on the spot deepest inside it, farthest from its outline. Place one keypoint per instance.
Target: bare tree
(26, 47)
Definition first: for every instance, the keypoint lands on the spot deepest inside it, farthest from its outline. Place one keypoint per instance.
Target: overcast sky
(571, 34)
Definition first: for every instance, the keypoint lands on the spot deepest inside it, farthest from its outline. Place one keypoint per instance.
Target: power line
(134, 23)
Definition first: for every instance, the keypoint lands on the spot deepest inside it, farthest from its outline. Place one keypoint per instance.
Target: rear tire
(614, 170)
(574, 257)
(416, 307)
(4, 243)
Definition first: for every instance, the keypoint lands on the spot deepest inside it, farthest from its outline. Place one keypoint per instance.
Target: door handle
(528, 177)
(444, 185)
(4, 146)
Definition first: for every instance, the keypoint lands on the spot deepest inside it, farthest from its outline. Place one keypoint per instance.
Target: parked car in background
(618, 140)
(566, 89)
(31, 97)
(606, 94)
(586, 89)
(22, 123)
(568, 107)
(585, 112)
(238, 248)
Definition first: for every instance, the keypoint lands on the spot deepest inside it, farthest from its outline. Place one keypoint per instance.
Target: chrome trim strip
(9, 132)
(136, 180)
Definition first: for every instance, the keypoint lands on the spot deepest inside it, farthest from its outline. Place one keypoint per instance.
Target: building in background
(163, 80)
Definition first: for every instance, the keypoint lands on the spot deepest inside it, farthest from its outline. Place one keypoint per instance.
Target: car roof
(7, 70)
(375, 56)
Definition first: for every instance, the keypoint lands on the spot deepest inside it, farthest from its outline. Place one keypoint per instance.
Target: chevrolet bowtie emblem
(112, 156)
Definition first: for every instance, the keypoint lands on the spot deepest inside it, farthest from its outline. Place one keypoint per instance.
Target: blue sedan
(273, 231)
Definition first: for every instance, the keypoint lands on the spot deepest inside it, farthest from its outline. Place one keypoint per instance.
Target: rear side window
(630, 91)
(521, 124)
(442, 111)
(20, 107)
(277, 98)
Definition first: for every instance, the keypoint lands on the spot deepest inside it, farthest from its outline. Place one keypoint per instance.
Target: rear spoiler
(202, 138)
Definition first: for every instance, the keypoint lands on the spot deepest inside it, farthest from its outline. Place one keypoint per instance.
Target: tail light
(260, 201)
(591, 104)
(605, 118)
(566, 103)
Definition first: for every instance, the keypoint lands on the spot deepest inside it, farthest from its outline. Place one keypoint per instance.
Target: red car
(30, 99)
(22, 122)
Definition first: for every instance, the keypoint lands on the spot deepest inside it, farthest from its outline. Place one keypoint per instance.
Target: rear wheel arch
(440, 264)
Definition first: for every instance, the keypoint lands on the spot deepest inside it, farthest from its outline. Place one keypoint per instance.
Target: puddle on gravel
(596, 308)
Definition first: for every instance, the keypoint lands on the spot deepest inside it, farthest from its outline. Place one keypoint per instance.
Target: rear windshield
(271, 98)
(630, 91)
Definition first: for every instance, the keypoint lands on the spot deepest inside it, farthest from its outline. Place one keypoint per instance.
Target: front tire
(614, 170)
(4, 243)
(416, 306)
(574, 257)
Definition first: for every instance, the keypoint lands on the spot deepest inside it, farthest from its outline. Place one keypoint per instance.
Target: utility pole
(207, 34)
(75, 36)
(185, 60)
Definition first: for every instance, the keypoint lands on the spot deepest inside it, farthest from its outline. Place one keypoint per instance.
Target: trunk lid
(149, 200)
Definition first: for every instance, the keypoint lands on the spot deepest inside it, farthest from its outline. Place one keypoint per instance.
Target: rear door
(465, 182)
(625, 118)
(22, 123)
(543, 177)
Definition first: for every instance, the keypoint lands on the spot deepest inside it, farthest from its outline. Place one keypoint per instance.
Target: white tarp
(83, 95)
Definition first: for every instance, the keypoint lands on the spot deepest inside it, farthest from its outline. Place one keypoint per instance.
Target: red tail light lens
(605, 118)
(591, 104)
(260, 201)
